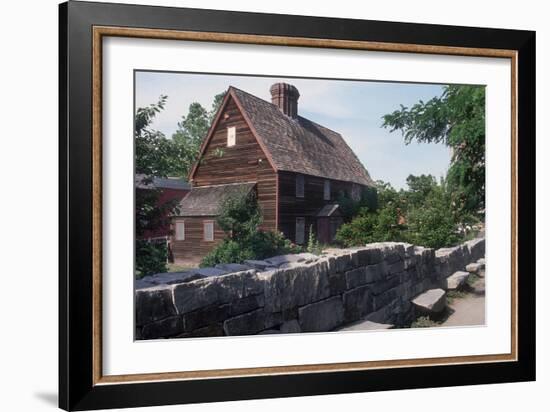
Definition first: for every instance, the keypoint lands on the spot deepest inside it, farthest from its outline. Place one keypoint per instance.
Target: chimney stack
(285, 97)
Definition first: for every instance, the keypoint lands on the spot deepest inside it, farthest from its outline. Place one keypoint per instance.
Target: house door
(323, 230)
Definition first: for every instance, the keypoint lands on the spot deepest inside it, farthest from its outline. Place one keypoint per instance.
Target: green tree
(190, 133)
(376, 225)
(153, 151)
(422, 214)
(419, 188)
(152, 157)
(158, 156)
(350, 208)
(218, 99)
(430, 223)
(457, 119)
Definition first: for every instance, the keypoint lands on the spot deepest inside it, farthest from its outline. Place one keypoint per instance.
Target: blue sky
(352, 108)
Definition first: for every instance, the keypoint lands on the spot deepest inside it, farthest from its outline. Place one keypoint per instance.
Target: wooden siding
(291, 207)
(191, 250)
(244, 162)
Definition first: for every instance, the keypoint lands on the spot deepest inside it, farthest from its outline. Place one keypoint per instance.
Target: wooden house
(297, 168)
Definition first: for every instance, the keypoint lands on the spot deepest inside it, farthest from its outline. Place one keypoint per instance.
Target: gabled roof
(206, 200)
(298, 144)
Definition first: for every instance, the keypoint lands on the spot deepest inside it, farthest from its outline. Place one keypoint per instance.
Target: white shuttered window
(208, 231)
(180, 230)
(231, 136)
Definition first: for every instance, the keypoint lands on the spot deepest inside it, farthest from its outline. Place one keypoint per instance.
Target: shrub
(268, 243)
(359, 231)
(228, 251)
(239, 215)
(432, 224)
(313, 245)
(259, 245)
(424, 322)
(150, 258)
(240, 218)
(424, 215)
(369, 227)
(350, 208)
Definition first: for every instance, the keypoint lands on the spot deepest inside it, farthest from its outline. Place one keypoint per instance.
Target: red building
(297, 168)
(169, 190)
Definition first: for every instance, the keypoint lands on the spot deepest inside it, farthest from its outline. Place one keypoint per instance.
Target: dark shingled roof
(206, 200)
(300, 145)
(161, 183)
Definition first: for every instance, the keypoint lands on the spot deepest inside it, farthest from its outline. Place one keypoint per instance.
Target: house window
(180, 230)
(299, 185)
(300, 230)
(231, 136)
(326, 190)
(355, 192)
(208, 226)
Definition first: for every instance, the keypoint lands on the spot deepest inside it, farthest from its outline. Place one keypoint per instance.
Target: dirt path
(469, 310)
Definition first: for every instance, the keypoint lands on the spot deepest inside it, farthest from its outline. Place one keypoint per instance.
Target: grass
(424, 322)
(455, 294)
(472, 279)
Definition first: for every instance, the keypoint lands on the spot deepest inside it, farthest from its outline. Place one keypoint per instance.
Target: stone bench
(474, 268)
(431, 301)
(456, 280)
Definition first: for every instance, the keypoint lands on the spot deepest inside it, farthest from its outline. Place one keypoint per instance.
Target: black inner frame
(76, 389)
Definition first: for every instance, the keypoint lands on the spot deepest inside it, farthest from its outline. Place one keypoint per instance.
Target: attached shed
(194, 227)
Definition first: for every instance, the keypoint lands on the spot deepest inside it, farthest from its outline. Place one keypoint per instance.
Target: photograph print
(269, 205)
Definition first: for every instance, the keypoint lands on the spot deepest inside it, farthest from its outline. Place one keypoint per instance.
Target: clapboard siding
(244, 162)
(291, 207)
(194, 248)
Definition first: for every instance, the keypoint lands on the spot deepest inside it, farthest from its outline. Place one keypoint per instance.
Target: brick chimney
(285, 97)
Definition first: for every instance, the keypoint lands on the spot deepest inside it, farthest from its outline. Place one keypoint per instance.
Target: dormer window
(299, 185)
(231, 136)
(326, 190)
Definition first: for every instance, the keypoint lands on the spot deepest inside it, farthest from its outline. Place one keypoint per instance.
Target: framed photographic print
(259, 205)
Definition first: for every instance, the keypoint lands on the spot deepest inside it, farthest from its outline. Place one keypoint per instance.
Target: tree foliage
(350, 207)
(153, 151)
(430, 223)
(240, 218)
(150, 257)
(421, 215)
(457, 119)
(152, 154)
(158, 156)
(239, 215)
(191, 132)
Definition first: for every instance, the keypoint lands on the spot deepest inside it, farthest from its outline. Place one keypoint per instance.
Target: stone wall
(297, 293)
